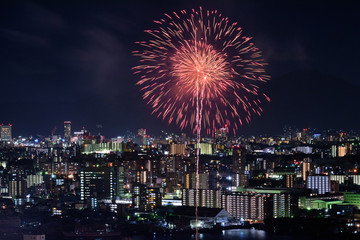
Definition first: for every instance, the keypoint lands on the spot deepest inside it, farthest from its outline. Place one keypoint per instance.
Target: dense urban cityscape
(181, 119)
(76, 184)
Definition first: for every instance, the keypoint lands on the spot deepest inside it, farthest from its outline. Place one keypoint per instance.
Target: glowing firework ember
(200, 54)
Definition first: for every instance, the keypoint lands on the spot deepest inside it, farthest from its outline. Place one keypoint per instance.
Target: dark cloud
(24, 38)
(289, 51)
(99, 62)
(40, 17)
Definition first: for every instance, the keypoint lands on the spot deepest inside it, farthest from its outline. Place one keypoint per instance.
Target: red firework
(200, 54)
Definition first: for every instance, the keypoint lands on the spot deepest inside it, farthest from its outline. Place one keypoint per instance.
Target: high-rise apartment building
(289, 180)
(177, 148)
(334, 151)
(319, 183)
(239, 161)
(17, 188)
(190, 180)
(206, 198)
(120, 181)
(342, 151)
(154, 198)
(282, 205)
(145, 198)
(240, 180)
(34, 180)
(97, 182)
(206, 149)
(246, 206)
(306, 168)
(139, 196)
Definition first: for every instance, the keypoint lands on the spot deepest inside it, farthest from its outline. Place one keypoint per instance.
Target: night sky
(72, 61)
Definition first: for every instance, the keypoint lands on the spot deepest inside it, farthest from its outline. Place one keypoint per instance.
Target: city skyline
(77, 64)
(184, 119)
(97, 131)
(91, 186)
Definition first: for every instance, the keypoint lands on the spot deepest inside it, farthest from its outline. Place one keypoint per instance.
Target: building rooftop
(203, 212)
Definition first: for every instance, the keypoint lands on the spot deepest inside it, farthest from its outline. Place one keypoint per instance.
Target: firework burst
(201, 55)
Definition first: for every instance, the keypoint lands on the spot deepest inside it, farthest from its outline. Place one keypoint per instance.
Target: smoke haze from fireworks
(202, 50)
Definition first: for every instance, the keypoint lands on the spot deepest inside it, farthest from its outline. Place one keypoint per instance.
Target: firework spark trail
(198, 70)
(198, 112)
(199, 100)
(188, 45)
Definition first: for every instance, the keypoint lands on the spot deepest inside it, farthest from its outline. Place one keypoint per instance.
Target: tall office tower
(288, 133)
(320, 183)
(246, 206)
(206, 198)
(239, 160)
(67, 131)
(6, 133)
(96, 182)
(304, 134)
(306, 168)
